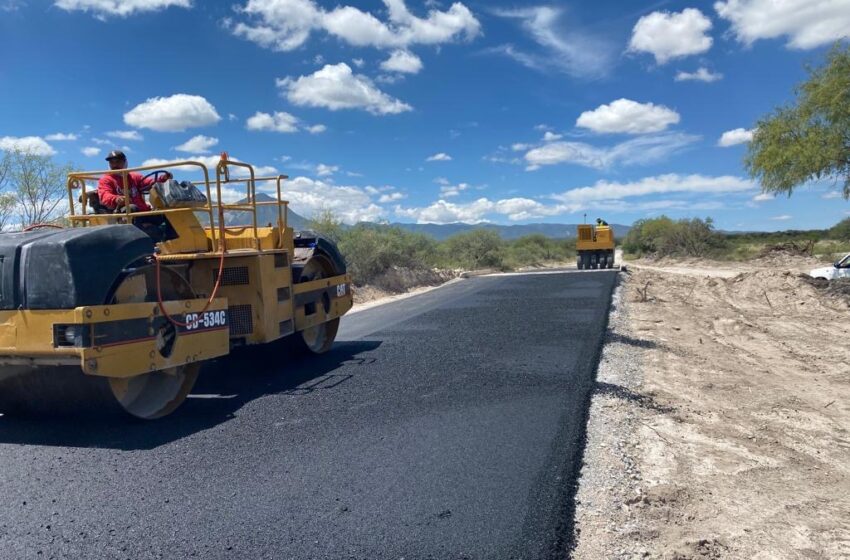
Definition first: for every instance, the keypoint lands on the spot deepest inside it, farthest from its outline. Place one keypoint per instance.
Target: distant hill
(268, 214)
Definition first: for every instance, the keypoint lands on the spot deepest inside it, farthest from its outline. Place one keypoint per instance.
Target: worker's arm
(106, 193)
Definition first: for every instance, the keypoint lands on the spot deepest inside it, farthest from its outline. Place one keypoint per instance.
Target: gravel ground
(610, 483)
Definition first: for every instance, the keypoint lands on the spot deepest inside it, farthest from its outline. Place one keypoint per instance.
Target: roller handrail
(214, 207)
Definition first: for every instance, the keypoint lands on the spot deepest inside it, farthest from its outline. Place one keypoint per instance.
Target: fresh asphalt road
(447, 425)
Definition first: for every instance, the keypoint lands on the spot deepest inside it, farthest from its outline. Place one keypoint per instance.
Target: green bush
(682, 238)
(537, 249)
(328, 224)
(647, 235)
(371, 250)
(831, 250)
(841, 230)
(479, 248)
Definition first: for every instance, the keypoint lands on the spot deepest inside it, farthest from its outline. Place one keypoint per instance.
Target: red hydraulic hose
(36, 226)
(209, 301)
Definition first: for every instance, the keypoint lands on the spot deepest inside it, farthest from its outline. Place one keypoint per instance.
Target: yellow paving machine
(133, 303)
(595, 246)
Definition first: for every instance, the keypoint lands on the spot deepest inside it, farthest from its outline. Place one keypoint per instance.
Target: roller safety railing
(214, 208)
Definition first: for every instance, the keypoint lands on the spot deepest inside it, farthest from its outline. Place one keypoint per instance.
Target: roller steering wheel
(154, 174)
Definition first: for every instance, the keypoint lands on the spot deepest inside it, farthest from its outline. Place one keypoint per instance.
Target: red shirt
(111, 186)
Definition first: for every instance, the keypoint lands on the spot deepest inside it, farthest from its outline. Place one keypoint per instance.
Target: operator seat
(93, 200)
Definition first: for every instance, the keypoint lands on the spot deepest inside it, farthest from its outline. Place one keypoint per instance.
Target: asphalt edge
(566, 534)
(616, 313)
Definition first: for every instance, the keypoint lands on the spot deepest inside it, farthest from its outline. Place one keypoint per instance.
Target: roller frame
(27, 337)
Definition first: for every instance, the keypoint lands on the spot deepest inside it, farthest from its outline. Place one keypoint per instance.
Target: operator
(110, 188)
(601, 222)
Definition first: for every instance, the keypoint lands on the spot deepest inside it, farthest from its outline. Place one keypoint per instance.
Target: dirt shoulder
(719, 427)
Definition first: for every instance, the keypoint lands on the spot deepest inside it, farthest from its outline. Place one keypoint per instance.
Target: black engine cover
(66, 268)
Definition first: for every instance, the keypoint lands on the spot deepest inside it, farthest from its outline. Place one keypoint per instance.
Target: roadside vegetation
(32, 189)
(806, 140)
(664, 237)
(373, 249)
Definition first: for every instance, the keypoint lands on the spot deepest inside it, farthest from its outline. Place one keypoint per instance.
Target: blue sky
(431, 111)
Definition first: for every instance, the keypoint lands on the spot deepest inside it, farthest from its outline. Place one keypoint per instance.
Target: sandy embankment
(719, 428)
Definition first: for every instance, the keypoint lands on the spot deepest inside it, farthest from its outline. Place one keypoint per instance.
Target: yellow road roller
(594, 246)
(130, 304)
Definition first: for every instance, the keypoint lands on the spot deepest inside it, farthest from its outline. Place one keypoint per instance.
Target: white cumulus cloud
(637, 151)
(278, 122)
(125, 135)
(662, 184)
(351, 204)
(449, 190)
(324, 170)
(606, 195)
(734, 137)
(402, 61)
(317, 129)
(440, 157)
(175, 113)
(762, 197)
(199, 144)
(782, 218)
(668, 35)
(336, 87)
(701, 75)
(90, 151)
(28, 144)
(284, 25)
(477, 211)
(627, 116)
(60, 137)
(806, 23)
(121, 8)
(391, 197)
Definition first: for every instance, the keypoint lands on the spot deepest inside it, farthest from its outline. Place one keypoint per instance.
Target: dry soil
(719, 427)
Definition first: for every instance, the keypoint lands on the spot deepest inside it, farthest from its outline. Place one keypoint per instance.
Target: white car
(841, 269)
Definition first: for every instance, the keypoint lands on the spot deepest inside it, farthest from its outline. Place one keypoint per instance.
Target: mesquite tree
(808, 139)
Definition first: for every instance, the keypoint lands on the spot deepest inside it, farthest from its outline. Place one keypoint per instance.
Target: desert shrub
(831, 250)
(371, 250)
(693, 238)
(682, 238)
(537, 249)
(841, 230)
(647, 235)
(479, 248)
(328, 224)
(377, 253)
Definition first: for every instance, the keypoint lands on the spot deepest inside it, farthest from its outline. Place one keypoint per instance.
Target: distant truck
(595, 246)
(840, 269)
